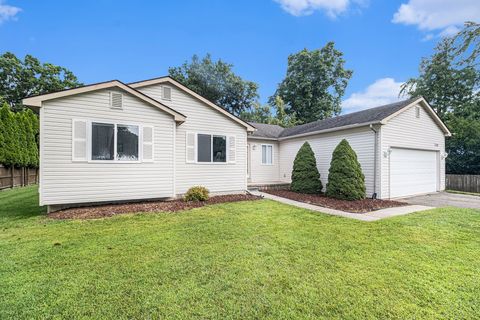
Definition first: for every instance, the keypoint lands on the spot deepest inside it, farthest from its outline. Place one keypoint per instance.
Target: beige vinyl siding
(201, 118)
(64, 181)
(361, 140)
(407, 131)
(261, 173)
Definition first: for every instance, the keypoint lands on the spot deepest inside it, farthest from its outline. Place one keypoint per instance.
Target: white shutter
(147, 144)
(232, 155)
(79, 140)
(190, 147)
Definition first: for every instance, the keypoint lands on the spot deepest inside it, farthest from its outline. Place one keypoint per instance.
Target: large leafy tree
(22, 78)
(263, 114)
(450, 81)
(216, 81)
(314, 84)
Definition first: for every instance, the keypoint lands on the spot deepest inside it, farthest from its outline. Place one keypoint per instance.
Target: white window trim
(211, 146)
(261, 154)
(115, 123)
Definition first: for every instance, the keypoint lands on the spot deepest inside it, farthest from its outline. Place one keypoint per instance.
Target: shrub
(345, 178)
(197, 193)
(305, 175)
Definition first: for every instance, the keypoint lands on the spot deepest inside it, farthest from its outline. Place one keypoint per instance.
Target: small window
(417, 112)
(127, 143)
(103, 141)
(116, 100)
(267, 154)
(211, 148)
(167, 93)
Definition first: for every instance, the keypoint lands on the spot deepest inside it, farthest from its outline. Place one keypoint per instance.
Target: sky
(383, 41)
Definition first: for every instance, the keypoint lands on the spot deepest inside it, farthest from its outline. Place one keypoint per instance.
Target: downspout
(374, 195)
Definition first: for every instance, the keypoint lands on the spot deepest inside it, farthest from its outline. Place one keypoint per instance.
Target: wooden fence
(16, 177)
(463, 182)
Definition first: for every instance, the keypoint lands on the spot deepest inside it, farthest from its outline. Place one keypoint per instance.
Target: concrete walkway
(369, 216)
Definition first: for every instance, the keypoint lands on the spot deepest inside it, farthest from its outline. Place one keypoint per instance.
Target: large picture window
(115, 142)
(211, 148)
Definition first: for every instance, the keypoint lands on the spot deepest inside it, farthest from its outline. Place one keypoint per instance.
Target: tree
(451, 83)
(32, 137)
(447, 87)
(216, 81)
(305, 175)
(22, 78)
(314, 84)
(263, 114)
(9, 139)
(468, 39)
(345, 178)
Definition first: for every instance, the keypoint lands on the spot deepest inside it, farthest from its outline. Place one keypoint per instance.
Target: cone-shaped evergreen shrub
(305, 175)
(345, 178)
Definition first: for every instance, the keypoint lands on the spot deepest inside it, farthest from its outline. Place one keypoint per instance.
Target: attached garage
(413, 172)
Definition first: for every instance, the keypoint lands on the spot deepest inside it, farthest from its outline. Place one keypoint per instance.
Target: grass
(246, 260)
(464, 192)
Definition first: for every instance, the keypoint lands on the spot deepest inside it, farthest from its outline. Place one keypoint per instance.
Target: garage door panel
(412, 172)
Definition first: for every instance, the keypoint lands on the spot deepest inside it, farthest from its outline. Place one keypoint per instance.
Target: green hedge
(345, 178)
(305, 175)
(18, 138)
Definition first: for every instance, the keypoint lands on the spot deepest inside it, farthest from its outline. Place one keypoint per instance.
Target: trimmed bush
(305, 175)
(197, 193)
(345, 178)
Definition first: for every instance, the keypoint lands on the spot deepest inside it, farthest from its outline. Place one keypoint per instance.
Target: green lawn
(243, 260)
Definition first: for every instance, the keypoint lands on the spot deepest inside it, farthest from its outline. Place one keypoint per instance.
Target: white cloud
(382, 91)
(7, 12)
(305, 7)
(445, 16)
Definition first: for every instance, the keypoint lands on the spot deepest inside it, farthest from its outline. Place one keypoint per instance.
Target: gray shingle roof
(266, 130)
(372, 115)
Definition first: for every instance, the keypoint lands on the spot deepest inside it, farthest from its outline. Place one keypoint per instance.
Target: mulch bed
(355, 206)
(103, 211)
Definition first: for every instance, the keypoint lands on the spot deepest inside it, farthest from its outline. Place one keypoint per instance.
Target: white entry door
(413, 172)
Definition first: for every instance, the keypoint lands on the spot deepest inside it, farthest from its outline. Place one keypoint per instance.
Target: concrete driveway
(444, 199)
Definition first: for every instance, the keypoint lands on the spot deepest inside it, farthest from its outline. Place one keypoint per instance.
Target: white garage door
(412, 172)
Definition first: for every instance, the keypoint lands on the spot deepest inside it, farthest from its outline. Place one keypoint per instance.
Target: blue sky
(383, 41)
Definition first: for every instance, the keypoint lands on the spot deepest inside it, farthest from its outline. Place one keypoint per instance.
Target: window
(417, 112)
(267, 154)
(114, 142)
(211, 148)
(102, 141)
(127, 143)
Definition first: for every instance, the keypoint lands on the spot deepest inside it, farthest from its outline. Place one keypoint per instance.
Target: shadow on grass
(20, 203)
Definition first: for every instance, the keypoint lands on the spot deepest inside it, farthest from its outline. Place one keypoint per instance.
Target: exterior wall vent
(116, 100)
(167, 93)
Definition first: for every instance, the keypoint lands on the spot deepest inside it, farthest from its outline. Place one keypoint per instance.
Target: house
(400, 146)
(154, 139)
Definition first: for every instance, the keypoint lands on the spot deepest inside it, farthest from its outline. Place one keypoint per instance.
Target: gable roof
(36, 101)
(377, 115)
(182, 87)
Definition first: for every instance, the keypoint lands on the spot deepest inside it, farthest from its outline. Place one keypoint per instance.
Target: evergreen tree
(345, 178)
(9, 138)
(32, 122)
(305, 175)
